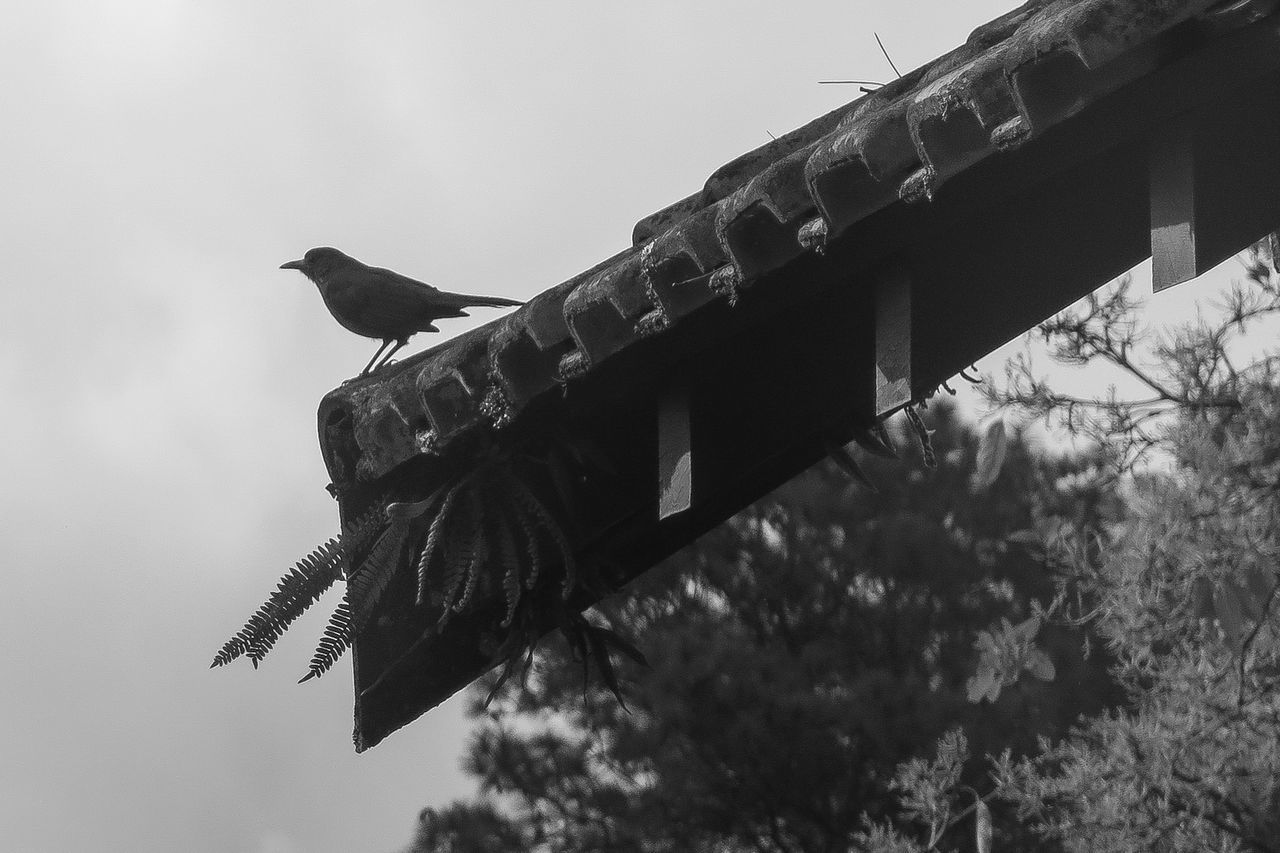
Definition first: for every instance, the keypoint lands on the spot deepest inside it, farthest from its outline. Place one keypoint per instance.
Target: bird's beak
(293, 265)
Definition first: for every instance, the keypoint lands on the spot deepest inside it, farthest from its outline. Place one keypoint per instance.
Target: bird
(381, 304)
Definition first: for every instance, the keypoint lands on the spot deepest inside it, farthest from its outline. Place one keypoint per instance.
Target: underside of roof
(812, 287)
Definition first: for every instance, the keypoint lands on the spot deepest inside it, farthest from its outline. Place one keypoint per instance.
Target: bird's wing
(433, 301)
(441, 300)
(379, 303)
(417, 298)
(392, 284)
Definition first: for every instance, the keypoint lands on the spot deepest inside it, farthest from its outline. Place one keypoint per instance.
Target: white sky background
(161, 375)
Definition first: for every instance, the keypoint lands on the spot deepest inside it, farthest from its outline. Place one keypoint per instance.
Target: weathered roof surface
(1015, 78)
(816, 283)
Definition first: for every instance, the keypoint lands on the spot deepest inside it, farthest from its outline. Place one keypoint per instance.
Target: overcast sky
(160, 159)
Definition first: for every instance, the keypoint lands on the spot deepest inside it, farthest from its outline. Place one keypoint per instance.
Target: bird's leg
(368, 368)
(386, 358)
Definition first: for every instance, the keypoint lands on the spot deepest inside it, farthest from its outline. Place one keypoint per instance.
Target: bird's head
(316, 264)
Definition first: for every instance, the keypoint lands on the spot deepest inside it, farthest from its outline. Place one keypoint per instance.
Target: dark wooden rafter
(1173, 233)
(894, 334)
(814, 286)
(1215, 171)
(675, 451)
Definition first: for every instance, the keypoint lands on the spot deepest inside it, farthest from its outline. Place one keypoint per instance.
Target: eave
(820, 283)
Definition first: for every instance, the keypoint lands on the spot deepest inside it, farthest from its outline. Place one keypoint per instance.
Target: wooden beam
(894, 334)
(1173, 205)
(675, 452)
(1215, 177)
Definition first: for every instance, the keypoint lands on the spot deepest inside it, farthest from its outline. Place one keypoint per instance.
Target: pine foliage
(795, 656)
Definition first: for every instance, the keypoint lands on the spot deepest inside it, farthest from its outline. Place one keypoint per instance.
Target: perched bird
(378, 303)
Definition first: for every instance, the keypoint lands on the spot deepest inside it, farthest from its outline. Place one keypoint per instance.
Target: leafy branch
(1191, 372)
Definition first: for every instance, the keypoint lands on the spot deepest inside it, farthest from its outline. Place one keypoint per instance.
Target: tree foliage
(1181, 588)
(1183, 591)
(826, 664)
(798, 654)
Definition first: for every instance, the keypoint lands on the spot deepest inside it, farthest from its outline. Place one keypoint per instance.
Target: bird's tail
(462, 300)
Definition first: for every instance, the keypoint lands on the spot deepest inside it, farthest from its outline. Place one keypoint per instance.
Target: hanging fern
(529, 531)
(467, 552)
(491, 512)
(364, 589)
(300, 588)
(479, 556)
(922, 435)
(516, 654)
(337, 636)
(529, 503)
(589, 643)
(366, 586)
(592, 643)
(509, 562)
(456, 555)
(438, 526)
(482, 531)
(289, 609)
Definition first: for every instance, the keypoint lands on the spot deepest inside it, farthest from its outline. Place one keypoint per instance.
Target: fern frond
(366, 585)
(594, 642)
(408, 511)
(509, 562)
(458, 552)
(292, 608)
(337, 636)
(421, 568)
(517, 652)
(479, 554)
(354, 539)
(434, 531)
(600, 652)
(531, 547)
(474, 571)
(364, 589)
(530, 502)
(519, 647)
(300, 587)
(575, 634)
(357, 535)
(617, 641)
(922, 435)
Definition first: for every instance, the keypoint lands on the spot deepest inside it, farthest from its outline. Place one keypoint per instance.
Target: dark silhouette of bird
(378, 303)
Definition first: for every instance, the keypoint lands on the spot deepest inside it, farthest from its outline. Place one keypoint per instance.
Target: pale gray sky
(160, 160)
